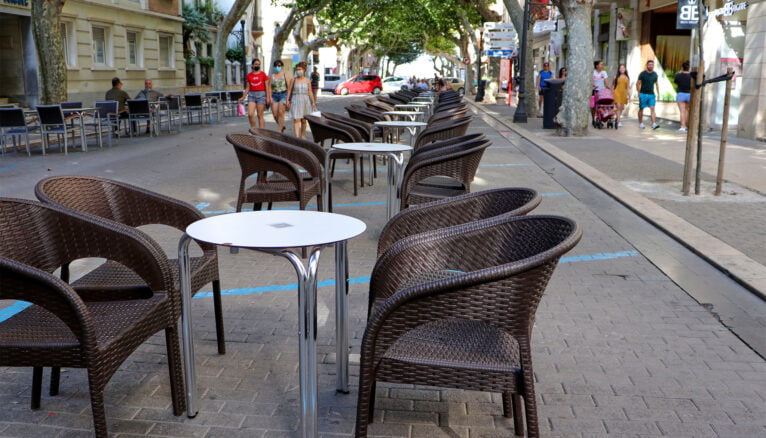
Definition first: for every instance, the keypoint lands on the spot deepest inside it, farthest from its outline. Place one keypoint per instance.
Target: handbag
(240, 110)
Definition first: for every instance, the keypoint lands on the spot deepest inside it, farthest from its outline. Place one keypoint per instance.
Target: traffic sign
(498, 26)
(502, 35)
(498, 53)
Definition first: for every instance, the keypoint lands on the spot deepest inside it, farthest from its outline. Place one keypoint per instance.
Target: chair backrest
(50, 115)
(258, 155)
(138, 107)
(107, 108)
(216, 94)
(360, 113)
(12, 118)
(507, 202)
(174, 103)
(70, 105)
(308, 145)
(443, 130)
(362, 127)
(193, 100)
(447, 142)
(322, 130)
(234, 95)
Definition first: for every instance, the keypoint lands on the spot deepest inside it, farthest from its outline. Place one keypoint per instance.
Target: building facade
(131, 39)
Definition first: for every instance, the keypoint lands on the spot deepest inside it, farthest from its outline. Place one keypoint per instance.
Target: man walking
(646, 86)
(544, 74)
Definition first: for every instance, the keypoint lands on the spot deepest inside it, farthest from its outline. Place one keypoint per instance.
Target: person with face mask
(258, 93)
(279, 82)
(300, 100)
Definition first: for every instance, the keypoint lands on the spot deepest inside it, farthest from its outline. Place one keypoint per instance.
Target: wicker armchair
(366, 115)
(260, 155)
(317, 151)
(443, 130)
(378, 106)
(323, 129)
(60, 329)
(134, 207)
(457, 306)
(456, 162)
(509, 201)
(444, 116)
(368, 131)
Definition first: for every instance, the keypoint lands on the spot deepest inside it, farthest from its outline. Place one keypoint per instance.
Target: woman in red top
(258, 93)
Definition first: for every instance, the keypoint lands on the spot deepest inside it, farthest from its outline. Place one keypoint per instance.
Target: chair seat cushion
(112, 280)
(37, 326)
(466, 344)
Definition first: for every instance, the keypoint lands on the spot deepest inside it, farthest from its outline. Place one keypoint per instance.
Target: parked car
(457, 85)
(331, 81)
(395, 83)
(360, 84)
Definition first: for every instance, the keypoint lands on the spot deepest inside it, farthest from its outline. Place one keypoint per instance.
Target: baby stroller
(605, 109)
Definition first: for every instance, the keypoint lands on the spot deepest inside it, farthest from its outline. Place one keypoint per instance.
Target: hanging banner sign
(544, 26)
(729, 8)
(687, 17)
(498, 26)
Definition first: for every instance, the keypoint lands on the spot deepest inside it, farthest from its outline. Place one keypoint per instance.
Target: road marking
(9, 167)
(202, 205)
(13, 309)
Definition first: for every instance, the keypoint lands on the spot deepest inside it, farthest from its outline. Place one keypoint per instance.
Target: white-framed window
(167, 54)
(134, 48)
(102, 49)
(69, 43)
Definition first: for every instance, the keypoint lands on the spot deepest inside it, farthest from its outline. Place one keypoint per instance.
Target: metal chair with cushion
(259, 155)
(455, 308)
(60, 329)
(139, 110)
(52, 121)
(133, 207)
(13, 123)
(452, 167)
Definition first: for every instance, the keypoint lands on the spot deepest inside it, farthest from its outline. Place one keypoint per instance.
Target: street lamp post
(520, 116)
(244, 53)
(480, 91)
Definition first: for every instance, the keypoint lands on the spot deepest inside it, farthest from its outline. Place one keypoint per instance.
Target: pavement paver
(619, 348)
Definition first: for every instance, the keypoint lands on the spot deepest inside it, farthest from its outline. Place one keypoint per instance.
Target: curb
(729, 260)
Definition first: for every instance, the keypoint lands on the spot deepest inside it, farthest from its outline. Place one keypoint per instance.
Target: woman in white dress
(300, 100)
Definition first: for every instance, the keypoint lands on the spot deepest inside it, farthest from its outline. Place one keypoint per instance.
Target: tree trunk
(574, 114)
(530, 88)
(464, 43)
(225, 26)
(280, 36)
(46, 23)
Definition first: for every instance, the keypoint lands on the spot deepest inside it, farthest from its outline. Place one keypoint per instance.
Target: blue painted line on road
(202, 205)
(555, 194)
(13, 309)
(9, 167)
(360, 280)
(18, 306)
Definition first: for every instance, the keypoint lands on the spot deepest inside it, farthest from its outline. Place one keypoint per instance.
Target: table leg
(307, 303)
(395, 162)
(187, 337)
(341, 315)
(372, 168)
(327, 198)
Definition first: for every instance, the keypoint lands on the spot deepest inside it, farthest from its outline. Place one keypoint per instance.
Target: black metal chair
(52, 121)
(193, 104)
(231, 101)
(139, 110)
(106, 117)
(13, 123)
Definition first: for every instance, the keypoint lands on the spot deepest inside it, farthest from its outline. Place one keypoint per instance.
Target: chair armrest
(297, 155)
(26, 283)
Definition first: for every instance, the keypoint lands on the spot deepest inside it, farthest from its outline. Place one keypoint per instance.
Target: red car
(360, 84)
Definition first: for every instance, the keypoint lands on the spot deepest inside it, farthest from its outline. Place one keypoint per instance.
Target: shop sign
(498, 53)
(498, 26)
(729, 8)
(16, 3)
(688, 16)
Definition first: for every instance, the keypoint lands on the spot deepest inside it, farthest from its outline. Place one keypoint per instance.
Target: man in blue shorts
(646, 85)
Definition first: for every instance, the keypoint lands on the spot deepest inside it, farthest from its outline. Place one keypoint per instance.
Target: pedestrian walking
(544, 74)
(621, 90)
(258, 94)
(646, 86)
(300, 100)
(279, 83)
(684, 82)
(315, 82)
(600, 82)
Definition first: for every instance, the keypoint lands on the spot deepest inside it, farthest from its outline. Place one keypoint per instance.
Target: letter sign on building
(688, 17)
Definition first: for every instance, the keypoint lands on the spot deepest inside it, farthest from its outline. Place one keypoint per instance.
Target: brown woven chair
(444, 130)
(366, 115)
(376, 105)
(134, 207)
(259, 155)
(323, 129)
(60, 329)
(389, 100)
(457, 164)
(447, 115)
(509, 201)
(316, 150)
(457, 306)
(362, 127)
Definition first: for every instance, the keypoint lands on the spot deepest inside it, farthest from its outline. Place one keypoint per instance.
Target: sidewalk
(619, 348)
(728, 230)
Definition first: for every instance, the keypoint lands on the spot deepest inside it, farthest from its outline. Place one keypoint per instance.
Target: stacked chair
(453, 297)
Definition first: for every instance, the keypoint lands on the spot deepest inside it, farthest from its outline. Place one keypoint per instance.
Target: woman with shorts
(300, 100)
(258, 93)
(279, 83)
(684, 82)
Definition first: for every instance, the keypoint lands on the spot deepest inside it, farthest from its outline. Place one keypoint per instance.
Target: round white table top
(403, 113)
(400, 123)
(372, 147)
(275, 229)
